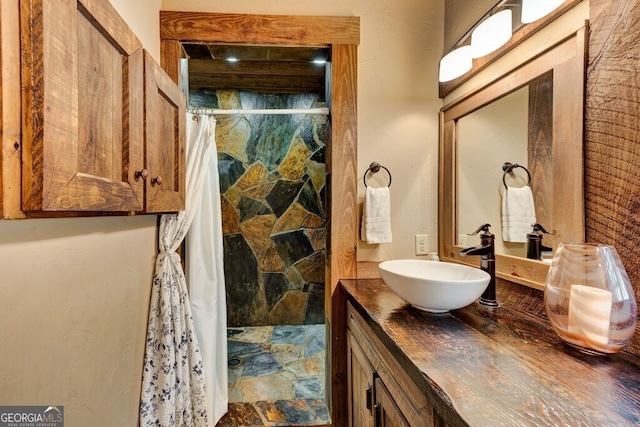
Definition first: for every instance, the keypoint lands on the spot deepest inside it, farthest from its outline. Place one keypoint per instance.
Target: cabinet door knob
(141, 173)
(156, 180)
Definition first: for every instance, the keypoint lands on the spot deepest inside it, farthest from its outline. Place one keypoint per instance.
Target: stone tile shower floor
(276, 376)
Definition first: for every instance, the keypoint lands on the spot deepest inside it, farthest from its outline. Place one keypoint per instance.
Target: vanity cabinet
(380, 392)
(478, 367)
(102, 127)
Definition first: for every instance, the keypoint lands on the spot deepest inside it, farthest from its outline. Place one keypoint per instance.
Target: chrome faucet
(486, 250)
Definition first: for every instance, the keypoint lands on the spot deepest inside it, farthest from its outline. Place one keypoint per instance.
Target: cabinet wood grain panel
(11, 145)
(164, 140)
(387, 412)
(82, 134)
(360, 374)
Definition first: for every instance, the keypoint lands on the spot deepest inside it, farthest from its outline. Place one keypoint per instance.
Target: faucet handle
(484, 228)
(537, 227)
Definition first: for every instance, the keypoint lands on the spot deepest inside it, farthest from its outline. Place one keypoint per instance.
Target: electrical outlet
(422, 244)
(462, 240)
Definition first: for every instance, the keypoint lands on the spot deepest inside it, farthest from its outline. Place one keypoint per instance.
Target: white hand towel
(376, 216)
(518, 213)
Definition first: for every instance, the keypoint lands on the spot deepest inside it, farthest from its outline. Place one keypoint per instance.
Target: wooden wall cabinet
(98, 116)
(380, 392)
(164, 135)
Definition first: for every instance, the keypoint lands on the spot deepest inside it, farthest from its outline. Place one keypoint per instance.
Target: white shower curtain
(205, 275)
(173, 380)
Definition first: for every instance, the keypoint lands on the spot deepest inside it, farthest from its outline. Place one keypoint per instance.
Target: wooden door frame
(342, 34)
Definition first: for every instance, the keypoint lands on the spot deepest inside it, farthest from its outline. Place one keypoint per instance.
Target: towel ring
(374, 168)
(508, 167)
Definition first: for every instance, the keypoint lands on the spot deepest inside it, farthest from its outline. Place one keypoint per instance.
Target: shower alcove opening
(272, 173)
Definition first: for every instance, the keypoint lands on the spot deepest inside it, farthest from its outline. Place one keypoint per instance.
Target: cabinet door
(82, 124)
(165, 123)
(360, 385)
(387, 413)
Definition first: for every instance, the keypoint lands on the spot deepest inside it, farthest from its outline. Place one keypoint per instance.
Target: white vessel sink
(434, 286)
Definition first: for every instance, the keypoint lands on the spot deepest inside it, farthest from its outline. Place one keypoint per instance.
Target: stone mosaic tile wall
(272, 179)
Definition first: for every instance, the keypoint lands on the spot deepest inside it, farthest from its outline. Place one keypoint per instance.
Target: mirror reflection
(515, 129)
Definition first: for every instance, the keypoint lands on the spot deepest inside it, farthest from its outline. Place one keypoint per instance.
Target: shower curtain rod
(218, 111)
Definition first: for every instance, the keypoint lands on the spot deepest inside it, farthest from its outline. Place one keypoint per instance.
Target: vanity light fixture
(455, 63)
(532, 10)
(492, 33)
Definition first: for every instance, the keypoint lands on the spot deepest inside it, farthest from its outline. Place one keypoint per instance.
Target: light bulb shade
(532, 10)
(492, 33)
(455, 63)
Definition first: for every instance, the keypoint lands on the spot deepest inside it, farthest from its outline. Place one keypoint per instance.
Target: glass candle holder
(589, 299)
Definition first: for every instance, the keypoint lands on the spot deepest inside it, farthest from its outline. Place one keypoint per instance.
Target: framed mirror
(531, 116)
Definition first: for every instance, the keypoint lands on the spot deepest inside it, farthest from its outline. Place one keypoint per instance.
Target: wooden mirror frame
(566, 60)
(342, 35)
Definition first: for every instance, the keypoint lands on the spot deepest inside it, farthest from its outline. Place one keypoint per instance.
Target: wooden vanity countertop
(483, 367)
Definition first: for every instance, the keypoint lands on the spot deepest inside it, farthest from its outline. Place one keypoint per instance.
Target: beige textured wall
(143, 18)
(401, 44)
(74, 297)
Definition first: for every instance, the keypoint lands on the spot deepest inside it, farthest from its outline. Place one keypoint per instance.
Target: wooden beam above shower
(267, 69)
